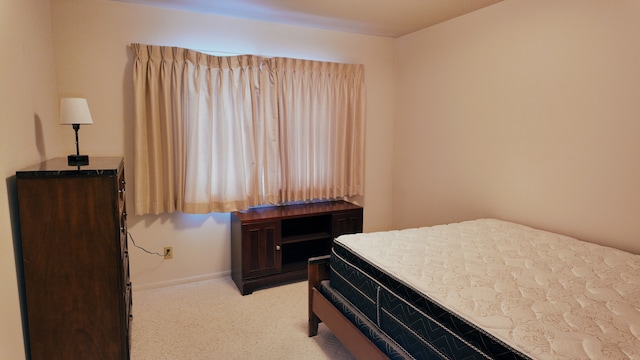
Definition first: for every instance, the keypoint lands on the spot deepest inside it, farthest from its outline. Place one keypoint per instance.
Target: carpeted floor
(211, 320)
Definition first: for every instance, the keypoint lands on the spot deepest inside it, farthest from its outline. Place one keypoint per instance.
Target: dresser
(75, 261)
(272, 244)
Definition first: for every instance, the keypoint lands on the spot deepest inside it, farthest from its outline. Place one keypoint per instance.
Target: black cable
(143, 249)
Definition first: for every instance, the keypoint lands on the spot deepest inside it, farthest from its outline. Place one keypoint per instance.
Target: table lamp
(75, 111)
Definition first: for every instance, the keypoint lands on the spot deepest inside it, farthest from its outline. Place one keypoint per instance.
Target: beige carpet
(211, 320)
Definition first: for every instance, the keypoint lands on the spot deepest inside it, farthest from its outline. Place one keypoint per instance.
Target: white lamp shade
(74, 111)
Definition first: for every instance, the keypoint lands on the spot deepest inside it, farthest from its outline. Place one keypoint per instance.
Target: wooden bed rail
(318, 271)
(322, 310)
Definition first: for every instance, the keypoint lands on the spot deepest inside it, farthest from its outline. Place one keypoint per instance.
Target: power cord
(141, 248)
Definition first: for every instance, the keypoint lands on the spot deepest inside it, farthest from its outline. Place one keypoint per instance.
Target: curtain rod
(223, 53)
(213, 52)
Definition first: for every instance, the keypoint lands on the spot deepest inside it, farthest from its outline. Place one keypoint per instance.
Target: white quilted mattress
(548, 295)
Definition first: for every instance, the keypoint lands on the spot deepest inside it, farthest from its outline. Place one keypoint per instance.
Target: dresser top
(98, 166)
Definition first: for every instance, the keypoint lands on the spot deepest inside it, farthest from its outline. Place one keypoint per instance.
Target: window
(217, 134)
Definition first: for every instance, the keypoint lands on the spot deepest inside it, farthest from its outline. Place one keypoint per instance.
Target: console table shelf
(305, 237)
(271, 245)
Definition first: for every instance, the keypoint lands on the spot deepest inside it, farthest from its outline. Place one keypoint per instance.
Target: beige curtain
(322, 107)
(159, 128)
(230, 145)
(217, 134)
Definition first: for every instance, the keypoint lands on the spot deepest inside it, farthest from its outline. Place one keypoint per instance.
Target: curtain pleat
(217, 134)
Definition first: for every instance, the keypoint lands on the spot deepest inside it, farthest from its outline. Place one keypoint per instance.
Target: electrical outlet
(168, 252)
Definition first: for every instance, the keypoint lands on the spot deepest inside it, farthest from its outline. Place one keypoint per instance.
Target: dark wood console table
(271, 245)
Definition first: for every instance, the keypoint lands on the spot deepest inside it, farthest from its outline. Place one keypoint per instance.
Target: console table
(271, 245)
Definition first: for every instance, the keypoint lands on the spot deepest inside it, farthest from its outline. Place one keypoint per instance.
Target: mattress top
(547, 295)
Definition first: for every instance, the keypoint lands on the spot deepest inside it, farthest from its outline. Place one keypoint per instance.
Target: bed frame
(321, 310)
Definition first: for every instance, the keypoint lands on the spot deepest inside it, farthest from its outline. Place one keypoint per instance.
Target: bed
(479, 289)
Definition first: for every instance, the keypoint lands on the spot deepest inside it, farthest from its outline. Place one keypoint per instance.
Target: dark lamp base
(78, 160)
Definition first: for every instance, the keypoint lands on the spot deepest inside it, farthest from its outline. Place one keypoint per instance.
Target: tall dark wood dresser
(76, 265)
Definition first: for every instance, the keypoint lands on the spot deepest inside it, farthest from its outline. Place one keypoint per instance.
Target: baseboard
(181, 281)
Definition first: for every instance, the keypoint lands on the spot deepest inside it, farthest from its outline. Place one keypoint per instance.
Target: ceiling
(390, 18)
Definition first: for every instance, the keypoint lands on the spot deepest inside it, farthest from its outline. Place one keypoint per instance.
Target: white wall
(523, 110)
(527, 111)
(29, 132)
(91, 40)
